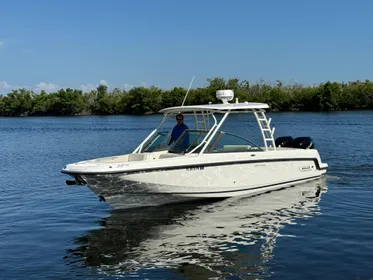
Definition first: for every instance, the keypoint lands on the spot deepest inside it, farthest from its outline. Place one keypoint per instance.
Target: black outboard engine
(303, 143)
(284, 141)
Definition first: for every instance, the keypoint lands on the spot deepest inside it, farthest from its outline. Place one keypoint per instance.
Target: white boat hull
(204, 180)
(141, 199)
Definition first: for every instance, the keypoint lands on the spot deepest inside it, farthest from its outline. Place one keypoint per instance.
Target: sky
(48, 45)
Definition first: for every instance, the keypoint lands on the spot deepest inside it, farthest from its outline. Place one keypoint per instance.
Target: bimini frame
(202, 114)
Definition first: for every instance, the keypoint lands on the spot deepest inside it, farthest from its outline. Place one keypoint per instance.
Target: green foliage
(173, 97)
(329, 96)
(67, 102)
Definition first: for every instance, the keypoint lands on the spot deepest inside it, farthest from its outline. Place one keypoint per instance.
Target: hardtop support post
(214, 131)
(139, 147)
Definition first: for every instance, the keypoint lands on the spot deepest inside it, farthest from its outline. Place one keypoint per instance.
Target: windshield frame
(262, 121)
(161, 134)
(220, 136)
(173, 148)
(192, 148)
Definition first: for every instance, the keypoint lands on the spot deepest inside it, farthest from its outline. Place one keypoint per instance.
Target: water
(49, 230)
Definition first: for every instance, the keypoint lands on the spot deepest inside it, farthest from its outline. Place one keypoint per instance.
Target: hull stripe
(128, 172)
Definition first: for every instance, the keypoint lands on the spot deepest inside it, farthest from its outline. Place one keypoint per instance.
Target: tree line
(328, 96)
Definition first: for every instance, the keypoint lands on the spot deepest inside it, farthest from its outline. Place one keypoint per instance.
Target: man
(178, 128)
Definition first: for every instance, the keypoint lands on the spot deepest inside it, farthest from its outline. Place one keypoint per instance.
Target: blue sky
(47, 44)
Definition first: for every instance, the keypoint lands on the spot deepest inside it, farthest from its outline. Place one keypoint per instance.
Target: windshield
(187, 141)
(229, 143)
(158, 143)
(221, 143)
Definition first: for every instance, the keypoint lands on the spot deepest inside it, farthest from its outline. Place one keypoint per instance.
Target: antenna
(182, 104)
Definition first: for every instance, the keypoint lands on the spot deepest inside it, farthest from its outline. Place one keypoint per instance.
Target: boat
(235, 235)
(204, 162)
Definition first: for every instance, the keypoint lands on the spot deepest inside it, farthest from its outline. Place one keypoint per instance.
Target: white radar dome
(225, 95)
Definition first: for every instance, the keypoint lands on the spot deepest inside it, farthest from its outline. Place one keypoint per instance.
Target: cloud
(1, 44)
(46, 86)
(5, 85)
(88, 87)
(103, 82)
(128, 86)
(50, 87)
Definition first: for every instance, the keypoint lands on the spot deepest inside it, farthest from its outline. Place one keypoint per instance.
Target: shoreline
(325, 97)
(152, 114)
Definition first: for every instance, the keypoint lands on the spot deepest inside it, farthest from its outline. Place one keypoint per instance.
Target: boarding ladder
(265, 128)
(202, 120)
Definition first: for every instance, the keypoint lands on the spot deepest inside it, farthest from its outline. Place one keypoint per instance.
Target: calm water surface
(320, 230)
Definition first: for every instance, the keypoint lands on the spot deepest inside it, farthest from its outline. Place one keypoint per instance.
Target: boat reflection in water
(235, 236)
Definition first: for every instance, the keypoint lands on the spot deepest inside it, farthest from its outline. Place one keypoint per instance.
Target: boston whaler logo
(306, 168)
(195, 168)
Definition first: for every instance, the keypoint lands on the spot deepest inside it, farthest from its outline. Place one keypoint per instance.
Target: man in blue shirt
(178, 128)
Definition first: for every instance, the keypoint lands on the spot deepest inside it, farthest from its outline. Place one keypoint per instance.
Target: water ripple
(199, 235)
(51, 231)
